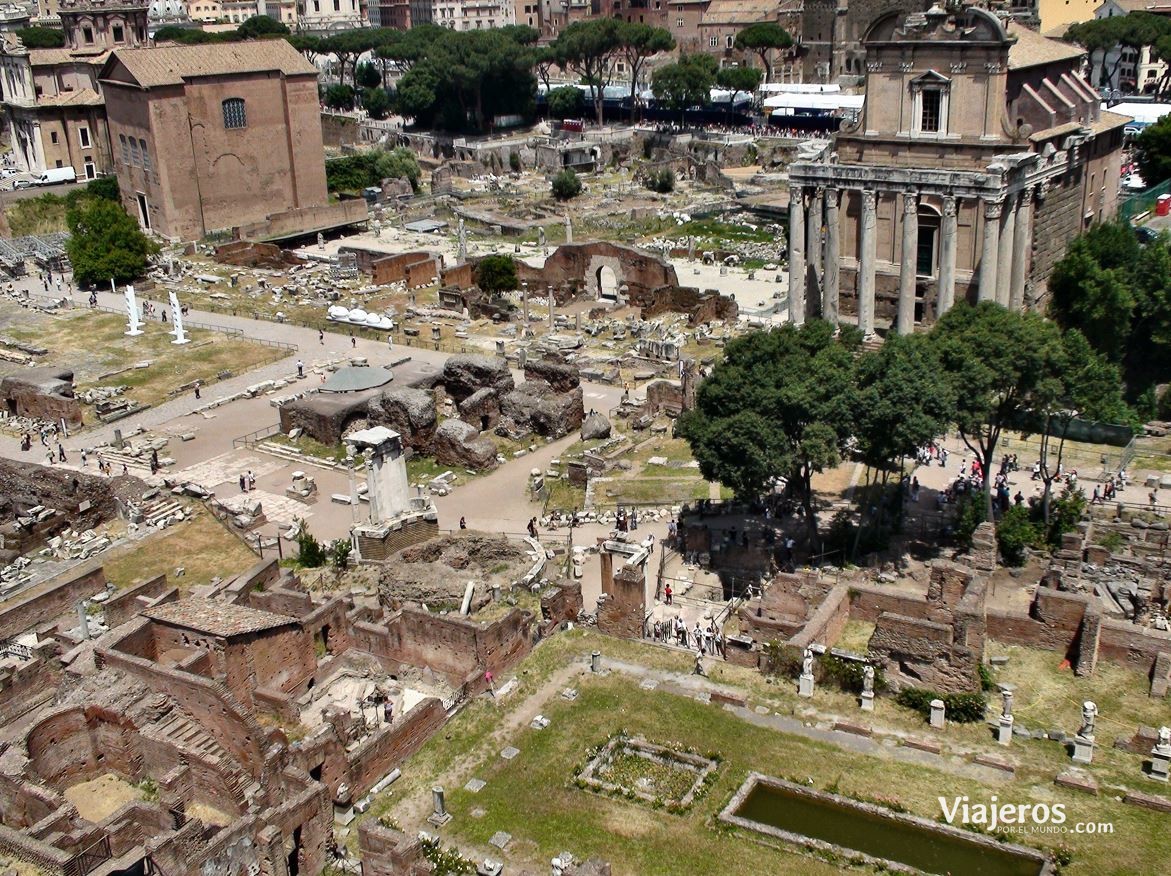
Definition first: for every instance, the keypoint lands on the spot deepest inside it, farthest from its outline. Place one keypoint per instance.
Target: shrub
(970, 513)
(339, 553)
(986, 682)
(496, 274)
(514, 161)
(1015, 533)
(566, 185)
(1064, 513)
(847, 674)
(661, 181)
(312, 554)
(784, 661)
(962, 708)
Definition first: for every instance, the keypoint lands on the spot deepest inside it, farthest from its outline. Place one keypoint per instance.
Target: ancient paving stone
(500, 839)
(475, 785)
(510, 752)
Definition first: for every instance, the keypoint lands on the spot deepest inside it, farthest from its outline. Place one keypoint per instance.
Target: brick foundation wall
(32, 611)
(24, 687)
(410, 533)
(827, 623)
(559, 604)
(41, 855)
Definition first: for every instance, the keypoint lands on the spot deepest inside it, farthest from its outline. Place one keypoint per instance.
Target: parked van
(55, 175)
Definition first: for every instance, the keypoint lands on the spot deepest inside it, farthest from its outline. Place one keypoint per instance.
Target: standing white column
(177, 321)
(813, 247)
(990, 252)
(831, 279)
(796, 255)
(1008, 246)
(946, 285)
(132, 327)
(908, 263)
(868, 246)
(1021, 244)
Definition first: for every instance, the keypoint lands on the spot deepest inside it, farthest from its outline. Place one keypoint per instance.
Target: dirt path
(417, 807)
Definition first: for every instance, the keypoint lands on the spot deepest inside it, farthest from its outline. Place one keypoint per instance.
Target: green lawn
(534, 798)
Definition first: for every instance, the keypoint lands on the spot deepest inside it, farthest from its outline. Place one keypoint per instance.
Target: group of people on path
(247, 482)
(705, 640)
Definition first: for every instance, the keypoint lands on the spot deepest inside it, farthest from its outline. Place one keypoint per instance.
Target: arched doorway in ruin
(607, 283)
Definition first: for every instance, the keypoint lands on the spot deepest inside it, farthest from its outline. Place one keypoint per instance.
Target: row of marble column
(815, 253)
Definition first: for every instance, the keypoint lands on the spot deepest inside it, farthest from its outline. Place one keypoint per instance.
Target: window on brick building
(124, 148)
(119, 33)
(146, 165)
(234, 114)
(87, 35)
(135, 155)
(83, 137)
(712, 42)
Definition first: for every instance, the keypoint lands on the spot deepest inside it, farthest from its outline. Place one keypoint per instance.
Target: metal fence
(256, 437)
(1142, 202)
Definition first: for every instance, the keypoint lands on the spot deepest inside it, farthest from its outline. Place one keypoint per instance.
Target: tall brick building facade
(212, 137)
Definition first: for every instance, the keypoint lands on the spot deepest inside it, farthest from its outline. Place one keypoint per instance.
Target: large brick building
(212, 137)
(979, 154)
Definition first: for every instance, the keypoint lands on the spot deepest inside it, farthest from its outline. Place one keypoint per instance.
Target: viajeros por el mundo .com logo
(994, 816)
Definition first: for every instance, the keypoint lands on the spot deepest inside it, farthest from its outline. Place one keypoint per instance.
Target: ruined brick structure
(42, 393)
(598, 269)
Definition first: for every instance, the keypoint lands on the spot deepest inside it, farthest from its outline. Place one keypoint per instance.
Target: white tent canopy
(792, 104)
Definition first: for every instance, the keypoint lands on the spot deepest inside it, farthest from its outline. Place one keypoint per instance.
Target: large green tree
(261, 26)
(1152, 152)
(762, 38)
(736, 80)
(1001, 366)
(496, 274)
(687, 82)
(636, 43)
(588, 48)
(779, 407)
(105, 243)
(565, 102)
(461, 80)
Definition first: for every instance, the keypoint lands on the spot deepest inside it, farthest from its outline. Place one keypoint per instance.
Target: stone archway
(607, 283)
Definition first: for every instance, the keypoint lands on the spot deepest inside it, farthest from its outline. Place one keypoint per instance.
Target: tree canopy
(41, 37)
(687, 82)
(565, 102)
(1118, 294)
(460, 80)
(1152, 152)
(106, 243)
(586, 47)
(1101, 36)
(496, 274)
(261, 26)
(636, 43)
(762, 38)
(779, 407)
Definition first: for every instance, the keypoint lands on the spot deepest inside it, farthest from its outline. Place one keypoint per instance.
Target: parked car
(1146, 235)
(23, 184)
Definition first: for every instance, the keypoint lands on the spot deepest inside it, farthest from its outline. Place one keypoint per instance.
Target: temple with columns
(980, 152)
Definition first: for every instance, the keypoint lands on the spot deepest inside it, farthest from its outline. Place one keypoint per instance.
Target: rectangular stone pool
(817, 819)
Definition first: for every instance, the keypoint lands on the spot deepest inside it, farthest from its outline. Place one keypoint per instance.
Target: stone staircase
(176, 729)
(162, 511)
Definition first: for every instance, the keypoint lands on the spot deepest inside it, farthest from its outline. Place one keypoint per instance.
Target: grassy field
(94, 346)
(201, 545)
(533, 797)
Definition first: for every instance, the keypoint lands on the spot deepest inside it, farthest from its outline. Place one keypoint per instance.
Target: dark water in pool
(880, 837)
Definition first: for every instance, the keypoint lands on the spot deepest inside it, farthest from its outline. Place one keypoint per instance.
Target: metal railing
(256, 437)
(1142, 202)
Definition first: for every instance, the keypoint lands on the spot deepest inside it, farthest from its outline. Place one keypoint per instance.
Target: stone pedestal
(938, 719)
(1083, 749)
(805, 686)
(1160, 763)
(1004, 732)
(440, 816)
(868, 701)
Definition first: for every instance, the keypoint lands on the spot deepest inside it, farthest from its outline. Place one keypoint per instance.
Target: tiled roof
(171, 65)
(49, 57)
(84, 97)
(741, 11)
(1032, 50)
(216, 618)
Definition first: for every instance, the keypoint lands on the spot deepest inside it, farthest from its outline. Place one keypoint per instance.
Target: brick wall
(560, 603)
(388, 852)
(462, 275)
(219, 712)
(27, 685)
(411, 532)
(623, 609)
(127, 603)
(827, 623)
(396, 268)
(23, 614)
(387, 748)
